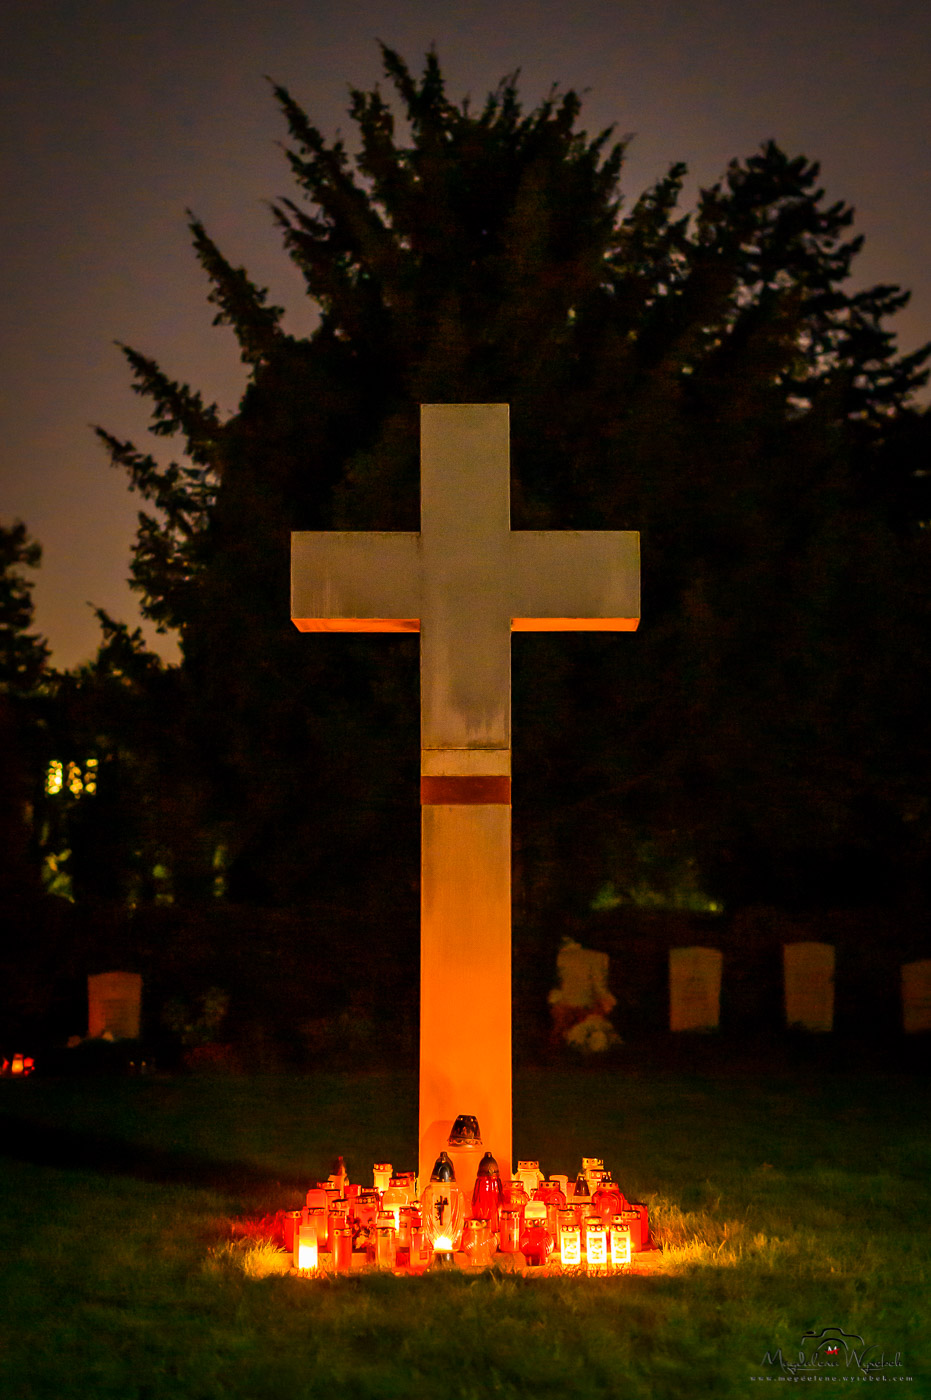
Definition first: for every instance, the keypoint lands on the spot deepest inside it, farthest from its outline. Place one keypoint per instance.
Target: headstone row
(808, 981)
(583, 998)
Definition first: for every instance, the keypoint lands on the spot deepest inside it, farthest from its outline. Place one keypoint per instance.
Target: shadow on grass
(68, 1149)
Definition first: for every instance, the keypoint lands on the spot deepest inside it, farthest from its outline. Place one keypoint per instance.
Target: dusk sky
(119, 114)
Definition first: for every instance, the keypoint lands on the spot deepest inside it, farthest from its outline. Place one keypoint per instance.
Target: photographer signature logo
(833, 1354)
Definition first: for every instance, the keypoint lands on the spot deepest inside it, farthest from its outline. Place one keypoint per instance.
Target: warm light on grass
(254, 1258)
(782, 1205)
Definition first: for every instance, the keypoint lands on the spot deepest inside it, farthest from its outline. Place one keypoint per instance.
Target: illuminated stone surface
(114, 1000)
(465, 581)
(916, 996)
(808, 974)
(694, 988)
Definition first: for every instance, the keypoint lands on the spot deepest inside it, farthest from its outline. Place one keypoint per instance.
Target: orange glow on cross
(465, 581)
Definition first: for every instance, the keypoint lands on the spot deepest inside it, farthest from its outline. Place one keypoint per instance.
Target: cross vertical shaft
(465, 902)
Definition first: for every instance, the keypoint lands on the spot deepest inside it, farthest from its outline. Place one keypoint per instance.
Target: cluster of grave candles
(588, 1226)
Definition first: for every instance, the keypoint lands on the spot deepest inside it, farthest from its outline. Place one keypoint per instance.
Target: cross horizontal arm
(574, 580)
(355, 581)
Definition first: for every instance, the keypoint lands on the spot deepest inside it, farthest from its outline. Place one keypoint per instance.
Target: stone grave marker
(114, 1002)
(808, 980)
(916, 996)
(694, 989)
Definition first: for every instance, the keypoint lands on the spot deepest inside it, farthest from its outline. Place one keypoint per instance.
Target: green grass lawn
(784, 1204)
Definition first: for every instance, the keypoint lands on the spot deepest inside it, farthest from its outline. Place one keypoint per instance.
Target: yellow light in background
(90, 776)
(54, 778)
(75, 781)
(220, 860)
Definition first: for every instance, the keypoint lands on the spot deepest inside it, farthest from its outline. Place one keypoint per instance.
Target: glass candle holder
(596, 1245)
(510, 1227)
(420, 1251)
(552, 1197)
(487, 1193)
(608, 1199)
(632, 1218)
(317, 1198)
(316, 1217)
(530, 1176)
(644, 1222)
(405, 1216)
(382, 1175)
(593, 1170)
(386, 1241)
(394, 1198)
(516, 1193)
(581, 1190)
(567, 1216)
(478, 1242)
(366, 1206)
(338, 1216)
(570, 1245)
(443, 1210)
(536, 1243)
(619, 1245)
(342, 1248)
(409, 1181)
(292, 1218)
(306, 1249)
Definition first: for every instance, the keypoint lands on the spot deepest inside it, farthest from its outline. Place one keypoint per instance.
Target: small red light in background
(20, 1067)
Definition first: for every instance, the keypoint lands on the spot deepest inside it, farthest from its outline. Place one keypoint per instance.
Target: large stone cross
(466, 581)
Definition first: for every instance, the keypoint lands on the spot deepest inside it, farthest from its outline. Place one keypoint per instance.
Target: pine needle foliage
(706, 377)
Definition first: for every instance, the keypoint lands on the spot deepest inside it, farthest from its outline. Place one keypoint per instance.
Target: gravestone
(694, 988)
(916, 996)
(465, 581)
(114, 1002)
(808, 980)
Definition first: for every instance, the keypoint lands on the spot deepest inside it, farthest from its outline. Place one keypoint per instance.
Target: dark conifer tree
(23, 669)
(707, 379)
